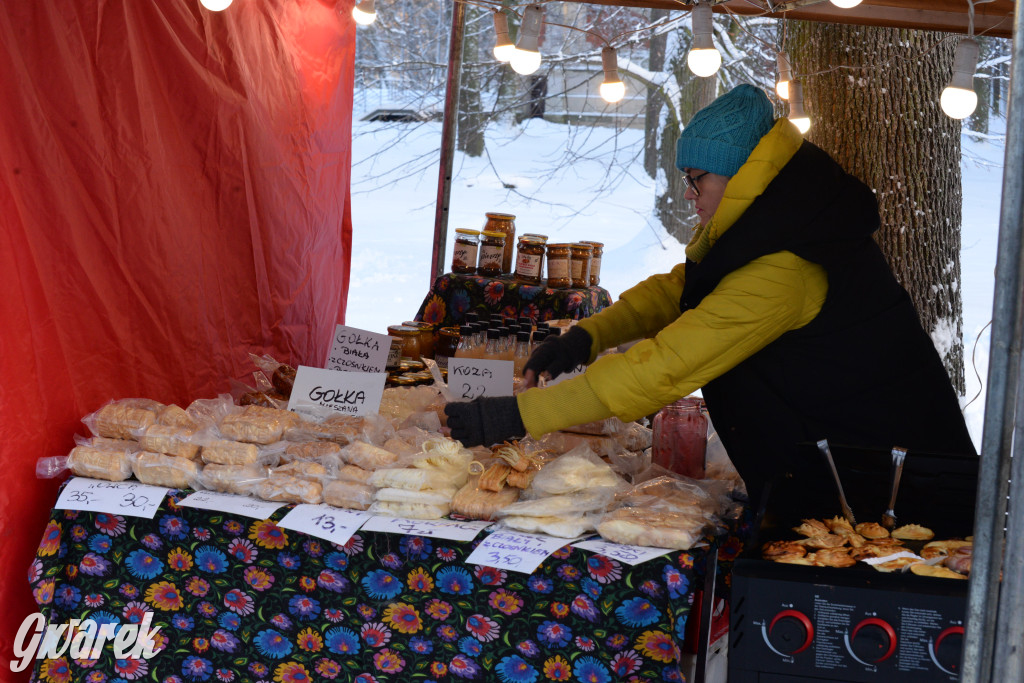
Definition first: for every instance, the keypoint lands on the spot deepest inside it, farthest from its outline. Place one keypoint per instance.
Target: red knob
(959, 630)
(802, 620)
(886, 628)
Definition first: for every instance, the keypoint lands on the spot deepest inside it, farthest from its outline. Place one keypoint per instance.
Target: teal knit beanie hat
(721, 136)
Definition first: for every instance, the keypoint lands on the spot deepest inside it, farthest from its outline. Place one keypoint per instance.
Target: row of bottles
(496, 339)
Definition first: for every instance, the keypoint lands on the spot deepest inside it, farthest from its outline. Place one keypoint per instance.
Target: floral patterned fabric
(240, 599)
(452, 296)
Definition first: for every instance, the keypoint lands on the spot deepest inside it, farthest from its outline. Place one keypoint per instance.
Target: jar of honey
(426, 337)
(504, 223)
(579, 265)
(467, 243)
(529, 260)
(410, 339)
(595, 262)
(492, 250)
(558, 266)
(447, 342)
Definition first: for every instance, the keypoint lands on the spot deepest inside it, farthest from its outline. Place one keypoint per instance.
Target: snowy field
(394, 188)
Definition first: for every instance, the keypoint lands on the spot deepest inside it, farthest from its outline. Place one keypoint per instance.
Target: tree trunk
(471, 120)
(879, 117)
(655, 101)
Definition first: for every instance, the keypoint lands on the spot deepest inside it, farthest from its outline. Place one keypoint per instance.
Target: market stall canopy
(990, 18)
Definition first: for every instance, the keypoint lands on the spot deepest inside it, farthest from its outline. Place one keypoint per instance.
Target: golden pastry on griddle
(937, 548)
(875, 551)
(883, 541)
(899, 564)
(872, 530)
(834, 557)
(812, 527)
(913, 532)
(777, 550)
(807, 560)
(934, 570)
(839, 525)
(855, 540)
(823, 541)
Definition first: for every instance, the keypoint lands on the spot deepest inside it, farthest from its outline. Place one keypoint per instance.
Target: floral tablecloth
(239, 599)
(452, 296)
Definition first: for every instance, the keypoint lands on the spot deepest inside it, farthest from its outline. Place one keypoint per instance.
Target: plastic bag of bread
(410, 510)
(257, 424)
(225, 452)
(399, 403)
(165, 470)
(475, 503)
(367, 456)
(569, 526)
(348, 494)
(301, 469)
(410, 478)
(285, 489)
(636, 526)
(107, 444)
(158, 438)
(207, 412)
(175, 416)
(124, 418)
(576, 470)
(630, 435)
(327, 453)
(282, 376)
(231, 478)
(565, 442)
(354, 473)
(390, 495)
(575, 503)
(98, 463)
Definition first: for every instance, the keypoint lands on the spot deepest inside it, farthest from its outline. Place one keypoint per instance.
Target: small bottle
(508, 343)
(539, 335)
(521, 353)
(494, 348)
(467, 341)
(464, 255)
(492, 247)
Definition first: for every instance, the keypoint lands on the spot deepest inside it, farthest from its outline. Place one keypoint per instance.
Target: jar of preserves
(535, 237)
(410, 339)
(529, 260)
(595, 262)
(447, 342)
(427, 337)
(579, 265)
(680, 438)
(467, 243)
(394, 360)
(492, 250)
(504, 223)
(558, 266)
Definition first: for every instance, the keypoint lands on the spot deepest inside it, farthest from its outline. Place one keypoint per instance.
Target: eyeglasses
(691, 182)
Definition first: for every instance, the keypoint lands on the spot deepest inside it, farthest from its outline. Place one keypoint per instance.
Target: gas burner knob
(790, 632)
(873, 640)
(948, 646)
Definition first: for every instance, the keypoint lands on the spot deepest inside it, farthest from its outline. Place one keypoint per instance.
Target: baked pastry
(840, 526)
(223, 452)
(111, 465)
(367, 456)
(834, 557)
(354, 473)
(913, 532)
(257, 424)
(935, 570)
(317, 451)
(301, 469)
(348, 494)
(824, 541)
(812, 527)
(120, 420)
(283, 379)
(939, 548)
(160, 438)
(165, 470)
(174, 416)
(779, 549)
(872, 530)
(875, 551)
(284, 489)
(232, 478)
(476, 503)
(897, 565)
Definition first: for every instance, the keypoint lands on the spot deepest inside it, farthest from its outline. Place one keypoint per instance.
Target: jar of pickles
(410, 339)
(505, 223)
(579, 264)
(467, 243)
(492, 250)
(558, 266)
(595, 262)
(529, 261)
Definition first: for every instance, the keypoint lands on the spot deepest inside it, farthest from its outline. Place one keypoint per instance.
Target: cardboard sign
(350, 393)
(515, 550)
(470, 378)
(447, 529)
(355, 350)
(324, 521)
(629, 554)
(128, 498)
(230, 503)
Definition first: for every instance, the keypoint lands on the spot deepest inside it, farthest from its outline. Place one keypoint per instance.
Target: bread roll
(223, 452)
(97, 463)
(165, 470)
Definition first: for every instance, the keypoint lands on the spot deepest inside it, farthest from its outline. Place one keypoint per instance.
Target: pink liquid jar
(680, 438)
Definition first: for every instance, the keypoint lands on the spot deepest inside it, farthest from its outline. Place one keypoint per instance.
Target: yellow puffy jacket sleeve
(750, 308)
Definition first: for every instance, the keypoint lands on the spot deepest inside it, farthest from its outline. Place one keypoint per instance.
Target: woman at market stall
(786, 315)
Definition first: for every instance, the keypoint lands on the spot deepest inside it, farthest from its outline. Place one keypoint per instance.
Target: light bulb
(802, 123)
(364, 13)
(785, 75)
(797, 116)
(612, 88)
(782, 89)
(845, 4)
(703, 60)
(526, 57)
(958, 99)
(503, 45)
(524, 61)
(215, 5)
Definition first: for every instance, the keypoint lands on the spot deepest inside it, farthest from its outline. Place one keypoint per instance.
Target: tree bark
(655, 100)
(471, 121)
(873, 98)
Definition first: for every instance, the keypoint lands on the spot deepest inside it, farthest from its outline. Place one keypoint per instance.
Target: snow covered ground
(586, 197)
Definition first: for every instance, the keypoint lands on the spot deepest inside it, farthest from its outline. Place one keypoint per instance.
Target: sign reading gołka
(470, 378)
(355, 350)
(349, 393)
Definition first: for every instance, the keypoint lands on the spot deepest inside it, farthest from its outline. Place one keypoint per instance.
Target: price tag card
(128, 498)
(350, 393)
(356, 350)
(324, 521)
(470, 378)
(514, 550)
(448, 529)
(230, 503)
(630, 554)
(575, 372)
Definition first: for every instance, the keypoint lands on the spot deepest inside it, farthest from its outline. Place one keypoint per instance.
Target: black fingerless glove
(485, 421)
(562, 353)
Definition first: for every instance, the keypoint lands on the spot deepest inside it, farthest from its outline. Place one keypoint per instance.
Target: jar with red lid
(680, 438)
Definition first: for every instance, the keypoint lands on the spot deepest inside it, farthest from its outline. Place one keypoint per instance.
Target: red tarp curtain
(174, 193)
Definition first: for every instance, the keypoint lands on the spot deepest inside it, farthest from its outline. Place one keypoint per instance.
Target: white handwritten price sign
(324, 521)
(575, 372)
(515, 551)
(356, 350)
(470, 378)
(448, 529)
(230, 503)
(350, 393)
(630, 554)
(128, 498)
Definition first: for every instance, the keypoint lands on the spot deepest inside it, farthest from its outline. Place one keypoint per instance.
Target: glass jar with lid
(579, 265)
(426, 337)
(680, 438)
(558, 266)
(447, 342)
(467, 243)
(504, 223)
(410, 339)
(595, 262)
(492, 250)
(529, 261)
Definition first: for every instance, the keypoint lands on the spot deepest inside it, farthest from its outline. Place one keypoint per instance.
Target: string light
(785, 75)
(364, 13)
(846, 4)
(612, 88)
(958, 99)
(503, 45)
(215, 5)
(526, 58)
(797, 116)
(703, 60)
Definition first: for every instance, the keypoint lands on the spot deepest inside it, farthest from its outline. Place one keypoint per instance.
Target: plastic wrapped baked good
(574, 471)
(390, 495)
(231, 478)
(409, 478)
(105, 444)
(97, 463)
(165, 470)
(633, 526)
(410, 510)
(286, 489)
(354, 473)
(367, 456)
(158, 438)
(122, 419)
(348, 494)
(224, 452)
(563, 527)
(576, 503)
(323, 452)
(256, 424)
(300, 469)
(341, 429)
(175, 416)
(475, 503)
